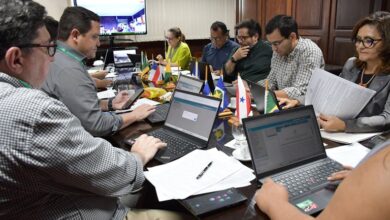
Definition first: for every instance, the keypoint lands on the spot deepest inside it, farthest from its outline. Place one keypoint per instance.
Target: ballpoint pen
(204, 170)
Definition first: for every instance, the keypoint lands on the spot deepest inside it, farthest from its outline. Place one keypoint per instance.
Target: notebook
(287, 147)
(188, 125)
(184, 83)
(258, 94)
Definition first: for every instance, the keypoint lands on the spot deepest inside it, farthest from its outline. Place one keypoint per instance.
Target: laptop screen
(192, 114)
(121, 57)
(282, 139)
(189, 84)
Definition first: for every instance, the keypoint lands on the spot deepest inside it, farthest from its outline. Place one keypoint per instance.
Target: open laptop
(185, 83)
(258, 94)
(188, 125)
(202, 74)
(121, 58)
(287, 147)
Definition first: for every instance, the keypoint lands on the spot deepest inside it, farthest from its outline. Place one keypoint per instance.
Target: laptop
(258, 94)
(202, 76)
(185, 83)
(188, 125)
(287, 147)
(121, 58)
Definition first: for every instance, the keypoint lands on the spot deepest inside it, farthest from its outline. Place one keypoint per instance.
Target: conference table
(148, 198)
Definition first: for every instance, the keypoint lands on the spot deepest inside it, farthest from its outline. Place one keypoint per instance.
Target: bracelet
(109, 105)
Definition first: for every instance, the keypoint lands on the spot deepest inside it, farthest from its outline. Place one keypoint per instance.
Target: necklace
(361, 79)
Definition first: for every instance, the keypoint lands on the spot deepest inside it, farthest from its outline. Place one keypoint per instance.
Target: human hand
(269, 194)
(101, 74)
(287, 103)
(241, 53)
(143, 111)
(147, 146)
(160, 58)
(120, 100)
(331, 123)
(340, 175)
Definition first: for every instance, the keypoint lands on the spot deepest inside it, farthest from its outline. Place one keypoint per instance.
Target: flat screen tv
(118, 17)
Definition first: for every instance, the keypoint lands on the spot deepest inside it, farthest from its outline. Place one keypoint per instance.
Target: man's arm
(237, 55)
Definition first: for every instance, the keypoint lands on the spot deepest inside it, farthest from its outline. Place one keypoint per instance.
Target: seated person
(371, 69)
(69, 81)
(218, 51)
(178, 53)
(253, 58)
(51, 168)
(364, 189)
(294, 58)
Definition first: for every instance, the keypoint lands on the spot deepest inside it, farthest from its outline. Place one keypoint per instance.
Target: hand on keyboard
(269, 190)
(147, 146)
(337, 176)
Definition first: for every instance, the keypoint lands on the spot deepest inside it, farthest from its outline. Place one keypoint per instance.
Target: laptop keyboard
(160, 114)
(308, 178)
(176, 147)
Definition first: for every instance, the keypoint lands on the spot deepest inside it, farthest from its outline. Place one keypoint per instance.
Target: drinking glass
(238, 134)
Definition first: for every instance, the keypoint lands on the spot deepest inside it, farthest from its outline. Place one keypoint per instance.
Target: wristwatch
(109, 105)
(233, 60)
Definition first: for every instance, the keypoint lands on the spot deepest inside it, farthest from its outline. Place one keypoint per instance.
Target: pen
(204, 170)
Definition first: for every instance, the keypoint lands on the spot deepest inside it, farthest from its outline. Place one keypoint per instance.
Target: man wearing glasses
(253, 58)
(293, 59)
(69, 81)
(218, 51)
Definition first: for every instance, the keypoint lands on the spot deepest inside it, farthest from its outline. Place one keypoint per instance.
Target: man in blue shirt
(217, 52)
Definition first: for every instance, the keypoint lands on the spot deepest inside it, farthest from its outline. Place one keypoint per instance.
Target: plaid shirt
(292, 73)
(51, 168)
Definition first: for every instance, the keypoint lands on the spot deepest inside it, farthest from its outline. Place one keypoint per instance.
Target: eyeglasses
(217, 38)
(242, 38)
(367, 42)
(277, 43)
(51, 47)
(169, 38)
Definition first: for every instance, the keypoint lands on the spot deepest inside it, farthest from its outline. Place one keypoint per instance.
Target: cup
(233, 102)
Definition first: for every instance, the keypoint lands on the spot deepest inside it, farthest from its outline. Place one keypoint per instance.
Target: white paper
(333, 95)
(346, 138)
(138, 103)
(109, 93)
(111, 75)
(349, 155)
(177, 179)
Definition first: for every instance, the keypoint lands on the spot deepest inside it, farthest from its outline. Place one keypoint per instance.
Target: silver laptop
(188, 125)
(287, 147)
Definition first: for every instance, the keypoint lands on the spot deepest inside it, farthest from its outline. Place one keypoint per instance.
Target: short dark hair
(252, 25)
(177, 33)
(52, 26)
(285, 24)
(19, 23)
(76, 18)
(218, 25)
(381, 20)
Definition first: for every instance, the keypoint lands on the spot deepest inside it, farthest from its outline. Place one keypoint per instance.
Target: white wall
(55, 8)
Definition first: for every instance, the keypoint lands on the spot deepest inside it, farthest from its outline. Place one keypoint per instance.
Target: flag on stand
(269, 101)
(155, 74)
(144, 63)
(206, 87)
(221, 93)
(243, 101)
(168, 72)
(195, 70)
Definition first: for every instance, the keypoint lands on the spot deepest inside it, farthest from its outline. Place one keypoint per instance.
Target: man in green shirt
(253, 58)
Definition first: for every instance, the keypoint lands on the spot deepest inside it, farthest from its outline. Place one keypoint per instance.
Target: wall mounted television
(118, 17)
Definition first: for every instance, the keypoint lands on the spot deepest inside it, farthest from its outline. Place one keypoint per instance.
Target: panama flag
(155, 74)
(243, 101)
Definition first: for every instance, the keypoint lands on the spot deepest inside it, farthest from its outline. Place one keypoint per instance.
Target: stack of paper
(178, 179)
(346, 138)
(349, 155)
(109, 93)
(137, 104)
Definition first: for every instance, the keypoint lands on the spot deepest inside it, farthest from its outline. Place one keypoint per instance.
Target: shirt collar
(70, 52)
(13, 81)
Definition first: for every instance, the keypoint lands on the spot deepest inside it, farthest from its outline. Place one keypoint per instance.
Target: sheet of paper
(109, 93)
(111, 75)
(346, 138)
(349, 155)
(138, 103)
(178, 179)
(333, 95)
